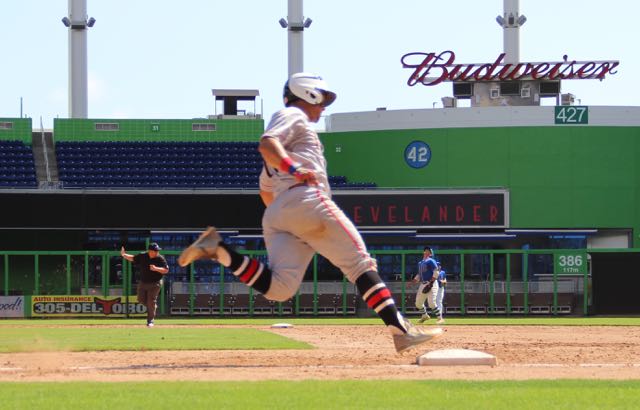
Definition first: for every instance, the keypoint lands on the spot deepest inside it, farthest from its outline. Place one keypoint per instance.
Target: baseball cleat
(424, 318)
(204, 247)
(414, 337)
(440, 321)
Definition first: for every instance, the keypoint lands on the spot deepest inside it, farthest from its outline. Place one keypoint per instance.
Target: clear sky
(161, 58)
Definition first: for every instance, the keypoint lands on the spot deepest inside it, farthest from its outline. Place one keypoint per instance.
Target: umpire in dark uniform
(152, 268)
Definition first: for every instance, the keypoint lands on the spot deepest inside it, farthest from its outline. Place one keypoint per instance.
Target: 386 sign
(570, 263)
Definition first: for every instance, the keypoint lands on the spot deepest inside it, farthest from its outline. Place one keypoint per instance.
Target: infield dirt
(357, 352)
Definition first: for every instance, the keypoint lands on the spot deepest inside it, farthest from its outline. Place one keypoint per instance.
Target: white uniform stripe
(242, 267)
(373, 289)
(384, 305)
(256, 275)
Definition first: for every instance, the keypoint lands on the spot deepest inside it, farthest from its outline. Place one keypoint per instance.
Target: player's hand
(302, 174)
(154, 268)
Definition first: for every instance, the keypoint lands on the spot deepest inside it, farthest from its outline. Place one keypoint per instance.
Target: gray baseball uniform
(303, 219)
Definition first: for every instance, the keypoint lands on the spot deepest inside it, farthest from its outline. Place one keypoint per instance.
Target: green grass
(97, 338)
(397, 394)
(477, 320)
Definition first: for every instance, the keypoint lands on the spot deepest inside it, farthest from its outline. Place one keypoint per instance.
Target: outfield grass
(400, 394)
(97, 338)
(481, 320)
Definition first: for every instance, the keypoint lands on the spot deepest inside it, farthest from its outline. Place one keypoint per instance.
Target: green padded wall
(158, 130)
(20, 130)
(558, 177)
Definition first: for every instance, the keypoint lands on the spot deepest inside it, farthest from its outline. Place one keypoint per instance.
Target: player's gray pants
(429, 297)
(439, 299)
(300, 222)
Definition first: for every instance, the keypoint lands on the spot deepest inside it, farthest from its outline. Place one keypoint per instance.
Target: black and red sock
(378, 297)
(248, 270)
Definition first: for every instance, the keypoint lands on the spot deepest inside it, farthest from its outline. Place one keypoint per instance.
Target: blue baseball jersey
(426, 267)
(441, 276)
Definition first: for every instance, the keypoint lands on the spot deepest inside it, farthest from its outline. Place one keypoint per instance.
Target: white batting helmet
(308, 87)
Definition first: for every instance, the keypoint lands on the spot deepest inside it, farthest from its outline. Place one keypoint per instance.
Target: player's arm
(160, 269)
(274, 155)
(267, 197)
(163, 270)
(125, 255)
(266, 186)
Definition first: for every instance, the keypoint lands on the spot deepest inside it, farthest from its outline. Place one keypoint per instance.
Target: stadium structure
(530, 207)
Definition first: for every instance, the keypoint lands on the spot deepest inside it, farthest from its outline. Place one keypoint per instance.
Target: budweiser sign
(432, 69)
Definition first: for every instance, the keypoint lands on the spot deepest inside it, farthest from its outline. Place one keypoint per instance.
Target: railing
(92, 273)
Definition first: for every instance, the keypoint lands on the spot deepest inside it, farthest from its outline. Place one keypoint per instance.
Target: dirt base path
(358, 352)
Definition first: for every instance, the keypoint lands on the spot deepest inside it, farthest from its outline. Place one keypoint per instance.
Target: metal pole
(36, 261)
(6, 275)
(462, 311)
(508, 283)
(295, 37)
(77, 22)
(315, 284)
(511, 21)
(491, 289)
(86, 273)
(68, 274)
(403, 268)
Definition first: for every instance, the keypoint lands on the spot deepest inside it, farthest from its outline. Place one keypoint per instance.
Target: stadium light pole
(77, 23)
(295, 26)
(511, 21)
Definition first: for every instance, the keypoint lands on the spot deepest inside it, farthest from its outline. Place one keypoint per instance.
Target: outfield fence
(102, 283)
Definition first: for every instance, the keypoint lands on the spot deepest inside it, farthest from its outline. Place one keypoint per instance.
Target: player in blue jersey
(427, 276)
(442, 282)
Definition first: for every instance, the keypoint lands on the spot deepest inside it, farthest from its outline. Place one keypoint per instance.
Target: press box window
(510, 88)
(6, 125)
(107, 126)
(203, 127)
(462, 90)
(550, 88)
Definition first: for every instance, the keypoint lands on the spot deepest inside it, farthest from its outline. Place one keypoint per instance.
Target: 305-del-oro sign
(84, 305)
(434, 68)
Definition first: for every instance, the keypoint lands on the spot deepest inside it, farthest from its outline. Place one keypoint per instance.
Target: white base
(281, 325)
(457, 357)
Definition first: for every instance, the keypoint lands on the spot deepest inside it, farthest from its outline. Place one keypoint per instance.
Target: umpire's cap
(154, 247)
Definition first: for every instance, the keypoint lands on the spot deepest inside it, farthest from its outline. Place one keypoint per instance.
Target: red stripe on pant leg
(250, 271)
(375, 299)
(354, 240)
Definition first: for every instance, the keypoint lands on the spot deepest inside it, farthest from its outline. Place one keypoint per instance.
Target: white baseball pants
(300, 222)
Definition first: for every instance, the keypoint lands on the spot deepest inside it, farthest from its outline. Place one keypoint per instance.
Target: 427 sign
(571, 114)
(570, 263)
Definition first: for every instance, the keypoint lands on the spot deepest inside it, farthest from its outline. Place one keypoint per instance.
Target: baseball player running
(301, 219)
(427, 276)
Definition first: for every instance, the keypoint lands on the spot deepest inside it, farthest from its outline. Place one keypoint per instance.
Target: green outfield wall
(557, 177)
(212, 130)
(17, 129)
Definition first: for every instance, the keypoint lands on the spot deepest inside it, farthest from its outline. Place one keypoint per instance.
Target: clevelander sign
(81, 305)
(432, 69)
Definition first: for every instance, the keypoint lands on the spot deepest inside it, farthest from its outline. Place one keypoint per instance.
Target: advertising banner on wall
(11, 306)
(86, 306)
